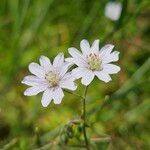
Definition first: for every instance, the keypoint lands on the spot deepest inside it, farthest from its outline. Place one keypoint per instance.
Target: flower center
(52, 78)
(94, 62)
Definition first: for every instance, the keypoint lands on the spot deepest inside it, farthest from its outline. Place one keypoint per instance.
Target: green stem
(84, 119)
(83, 116)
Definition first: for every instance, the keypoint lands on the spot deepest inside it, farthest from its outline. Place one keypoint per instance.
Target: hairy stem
(84, 119)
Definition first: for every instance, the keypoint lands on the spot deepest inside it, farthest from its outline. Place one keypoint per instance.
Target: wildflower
(113, 10)
(93, 62)
(50, 79)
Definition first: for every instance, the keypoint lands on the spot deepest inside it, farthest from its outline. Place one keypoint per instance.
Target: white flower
(113, 10)
(50, 79)
(93, 61)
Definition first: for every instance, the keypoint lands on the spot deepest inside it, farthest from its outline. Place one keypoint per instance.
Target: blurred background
(118, 112)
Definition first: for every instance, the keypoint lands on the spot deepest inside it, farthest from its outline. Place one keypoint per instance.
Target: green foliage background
(118, 112)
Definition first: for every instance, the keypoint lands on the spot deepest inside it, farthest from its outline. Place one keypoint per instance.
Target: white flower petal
(87, 78)
(85, 47)
(68, 76)
(37, 70)
(76, 54)
(95, 46)
(58, 95)
(67, 82)
(114, 56)
(69, 59)
(64, 69)
(111, 69)
(34, 90)
(33, 81)
(59, 60)
(105, 50)
(78, 57)
(68, 85)
(45, 62)
(78, 62)
(46, 98)
(77, 72)
(87, 75)
(103, 76)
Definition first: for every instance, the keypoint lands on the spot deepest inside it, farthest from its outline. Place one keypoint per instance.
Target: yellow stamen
(94, 62)
(52, 78)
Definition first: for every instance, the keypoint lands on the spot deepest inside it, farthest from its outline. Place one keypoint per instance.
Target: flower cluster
(53, 78)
